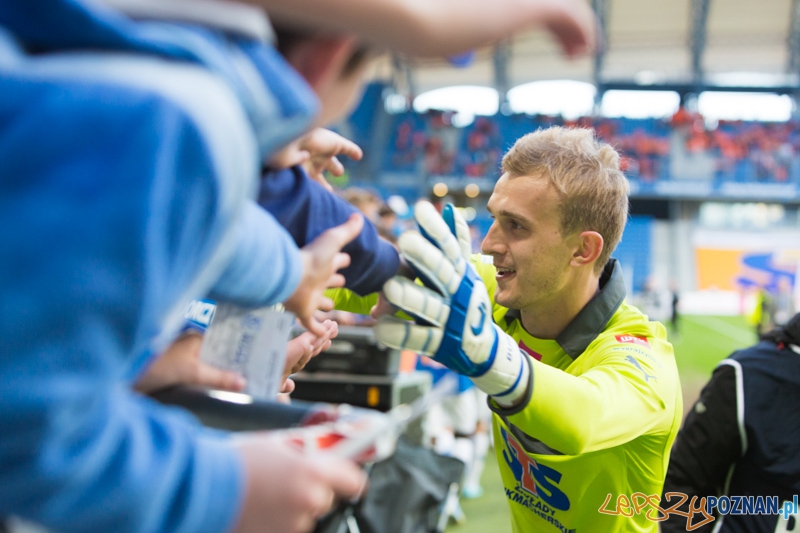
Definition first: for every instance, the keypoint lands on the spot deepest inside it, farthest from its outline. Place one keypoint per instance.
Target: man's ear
(320, 60)
(590, 246)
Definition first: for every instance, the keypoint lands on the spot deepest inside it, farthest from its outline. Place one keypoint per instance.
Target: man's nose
(491, 245)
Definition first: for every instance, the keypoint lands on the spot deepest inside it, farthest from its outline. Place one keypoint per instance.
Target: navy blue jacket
(306, 209)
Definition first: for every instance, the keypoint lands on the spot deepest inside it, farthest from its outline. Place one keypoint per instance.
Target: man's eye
(514, 225)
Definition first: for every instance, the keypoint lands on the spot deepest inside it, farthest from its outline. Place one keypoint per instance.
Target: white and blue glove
(453, 312)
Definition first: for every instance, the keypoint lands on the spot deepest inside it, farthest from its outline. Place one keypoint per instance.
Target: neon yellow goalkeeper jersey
(604, 409)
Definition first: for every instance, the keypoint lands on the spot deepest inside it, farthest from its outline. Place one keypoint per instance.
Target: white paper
(251, 342)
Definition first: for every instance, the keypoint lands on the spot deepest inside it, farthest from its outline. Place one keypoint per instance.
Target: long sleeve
(117, 190)
(706, 447)
(81, 453)
(306, 209)
(278, 103)
(610, 404)
(265, 268)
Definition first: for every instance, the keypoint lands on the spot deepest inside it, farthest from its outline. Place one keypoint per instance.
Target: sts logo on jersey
(537, 479)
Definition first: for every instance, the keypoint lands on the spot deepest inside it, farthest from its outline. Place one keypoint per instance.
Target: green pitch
(703, 341)
(700, 343)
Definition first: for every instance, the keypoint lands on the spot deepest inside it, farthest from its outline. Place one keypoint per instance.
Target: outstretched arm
(321, 260)
(441, 28)
(453, 324)
(306, 209)
(267, 268)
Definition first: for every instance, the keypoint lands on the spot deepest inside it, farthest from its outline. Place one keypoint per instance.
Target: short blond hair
(585, 172)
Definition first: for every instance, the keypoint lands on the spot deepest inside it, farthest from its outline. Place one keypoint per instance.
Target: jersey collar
(592, 319)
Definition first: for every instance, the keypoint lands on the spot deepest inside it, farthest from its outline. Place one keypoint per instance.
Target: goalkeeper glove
(453, 312)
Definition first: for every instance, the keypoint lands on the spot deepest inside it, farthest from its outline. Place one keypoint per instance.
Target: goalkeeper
(584, 389)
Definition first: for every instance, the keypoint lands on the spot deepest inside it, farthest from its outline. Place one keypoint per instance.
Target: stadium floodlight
(751, 79)
(744, 106)
(466, 101)
(569, 98)
(640, 104)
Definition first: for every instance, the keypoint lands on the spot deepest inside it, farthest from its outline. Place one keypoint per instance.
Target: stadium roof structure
(649, 43)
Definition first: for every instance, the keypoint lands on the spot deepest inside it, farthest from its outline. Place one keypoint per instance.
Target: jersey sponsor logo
(478, 328)
(636, 363)
(533, 477)
(538, 508)
(631, 339)
(536, 355)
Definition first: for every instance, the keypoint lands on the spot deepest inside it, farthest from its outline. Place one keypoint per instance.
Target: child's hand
(302, 348)
(323, 146)
(321, 260)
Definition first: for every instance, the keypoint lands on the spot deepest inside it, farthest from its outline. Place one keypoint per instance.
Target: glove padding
(453, 311)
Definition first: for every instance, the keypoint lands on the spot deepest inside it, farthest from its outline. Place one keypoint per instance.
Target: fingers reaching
(344, 233)
(321, 260)
(324, 146)
(305, 346)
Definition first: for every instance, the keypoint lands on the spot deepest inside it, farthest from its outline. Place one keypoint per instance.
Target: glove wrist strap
(508, 378)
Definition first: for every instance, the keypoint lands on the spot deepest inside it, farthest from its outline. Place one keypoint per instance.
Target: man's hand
(453, 312)
(317, 151)
(302, 348)
(321, 260)
(180, 364)
(287, 491)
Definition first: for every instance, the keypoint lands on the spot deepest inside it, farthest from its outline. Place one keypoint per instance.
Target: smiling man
(584, 388)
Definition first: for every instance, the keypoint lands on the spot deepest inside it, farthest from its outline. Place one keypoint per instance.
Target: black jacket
(742, 437)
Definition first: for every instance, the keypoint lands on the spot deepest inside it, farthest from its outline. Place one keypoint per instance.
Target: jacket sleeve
(265, 267)
(609, 404)
(113, 201)
(306, 209)
(706, 447)
(83, 454)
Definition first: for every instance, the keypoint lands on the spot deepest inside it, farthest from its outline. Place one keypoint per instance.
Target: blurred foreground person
(127, 182)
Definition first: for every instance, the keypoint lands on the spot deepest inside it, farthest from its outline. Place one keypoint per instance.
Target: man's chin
(504, 298)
